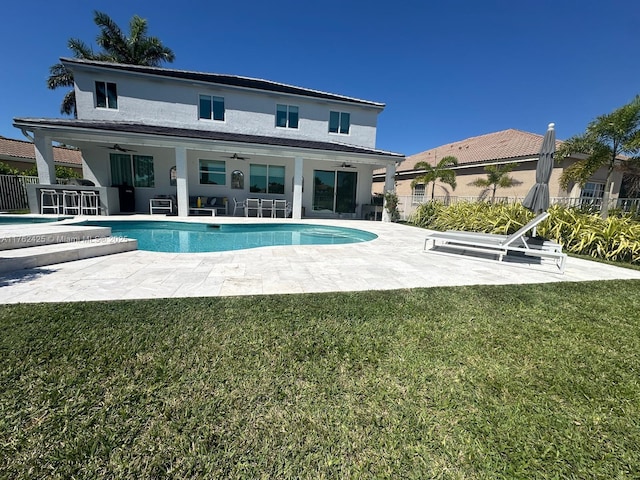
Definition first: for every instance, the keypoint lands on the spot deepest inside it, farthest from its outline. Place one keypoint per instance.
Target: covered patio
(186, 164)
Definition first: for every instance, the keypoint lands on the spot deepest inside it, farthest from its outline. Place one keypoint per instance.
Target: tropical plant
(391, 205)
(497, 177)
(135, 49)
(6, 169)
(614, 238)
(605, 140)
(442, 171)
(61, 172)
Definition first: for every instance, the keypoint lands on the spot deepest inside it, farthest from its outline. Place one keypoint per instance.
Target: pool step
(41, 255)
(33, 235)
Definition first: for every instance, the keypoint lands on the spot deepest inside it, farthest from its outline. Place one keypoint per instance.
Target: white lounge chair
(499, 245)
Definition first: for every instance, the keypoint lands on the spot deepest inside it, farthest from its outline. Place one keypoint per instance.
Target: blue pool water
(187, 237)
(16, 219)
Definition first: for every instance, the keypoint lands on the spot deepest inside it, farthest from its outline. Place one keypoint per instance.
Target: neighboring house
(184, 133)
(20, 154)
(499, 148)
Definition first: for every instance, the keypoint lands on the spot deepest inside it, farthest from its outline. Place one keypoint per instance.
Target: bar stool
(70, 202)
(89, 203)
(53, 201)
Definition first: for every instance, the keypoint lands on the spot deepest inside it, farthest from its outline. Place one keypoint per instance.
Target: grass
(486, 382)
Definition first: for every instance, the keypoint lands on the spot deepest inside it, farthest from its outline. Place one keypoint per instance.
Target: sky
(446, 70)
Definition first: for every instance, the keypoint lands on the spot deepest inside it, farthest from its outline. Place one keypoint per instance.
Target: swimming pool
(17, 219)
(188, 237)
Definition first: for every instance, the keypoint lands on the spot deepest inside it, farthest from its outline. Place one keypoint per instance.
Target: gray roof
(161, 131)
(223, 79)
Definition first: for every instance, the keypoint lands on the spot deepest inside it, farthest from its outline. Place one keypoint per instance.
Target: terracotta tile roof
(22, 149)
(504, 145)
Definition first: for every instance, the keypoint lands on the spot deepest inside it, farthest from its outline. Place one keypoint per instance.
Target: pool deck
(395, 260)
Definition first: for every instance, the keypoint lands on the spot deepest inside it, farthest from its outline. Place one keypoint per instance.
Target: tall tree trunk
(604, 208)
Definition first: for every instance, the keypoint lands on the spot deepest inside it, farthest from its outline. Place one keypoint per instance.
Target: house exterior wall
(525, 173)
(174, 103)
(97, 169)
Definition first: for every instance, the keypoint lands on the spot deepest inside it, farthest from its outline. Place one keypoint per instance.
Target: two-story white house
(186, 134)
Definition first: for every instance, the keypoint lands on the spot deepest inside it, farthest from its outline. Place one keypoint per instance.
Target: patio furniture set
(260, 206)
(69, 202)
(166, 204)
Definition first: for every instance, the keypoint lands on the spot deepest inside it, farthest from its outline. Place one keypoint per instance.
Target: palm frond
(68, 106)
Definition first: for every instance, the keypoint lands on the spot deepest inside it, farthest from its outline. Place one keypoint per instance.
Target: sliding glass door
(334, 191)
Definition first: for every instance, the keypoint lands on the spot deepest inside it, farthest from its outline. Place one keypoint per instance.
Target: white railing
(408, 204)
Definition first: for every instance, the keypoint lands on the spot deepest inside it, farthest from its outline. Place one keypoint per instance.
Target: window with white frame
(212, 172)
(286, 116)
(266, 178)
(132, 170)
(417, 194)
(106, 95)
(591, 193)
(339, 122)
(211, 108)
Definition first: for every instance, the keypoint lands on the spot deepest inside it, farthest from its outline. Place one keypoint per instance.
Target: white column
(296, 213)
(44, 158)
(389, 186)
(182, 182)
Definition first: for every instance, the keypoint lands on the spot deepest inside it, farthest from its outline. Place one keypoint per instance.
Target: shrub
(616, 238)
(6, 169)
(391, 199)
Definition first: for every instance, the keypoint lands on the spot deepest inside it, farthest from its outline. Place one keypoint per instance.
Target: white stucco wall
(174, 103)
(97, 169)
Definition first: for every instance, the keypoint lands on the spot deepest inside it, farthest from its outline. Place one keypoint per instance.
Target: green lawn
(536, 381)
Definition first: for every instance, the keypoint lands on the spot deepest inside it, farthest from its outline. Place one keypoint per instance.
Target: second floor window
(106, 95)
(211, 108)
(286, 116)
(339, 122)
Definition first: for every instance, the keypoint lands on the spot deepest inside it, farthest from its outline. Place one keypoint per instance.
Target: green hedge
(616, 238)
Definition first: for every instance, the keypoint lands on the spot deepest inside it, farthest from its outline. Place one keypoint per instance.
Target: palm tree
(136, 49)
(442, 171)
(606, 142)
(497, 177)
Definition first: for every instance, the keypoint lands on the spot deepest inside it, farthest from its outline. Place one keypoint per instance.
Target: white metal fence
(408, 204)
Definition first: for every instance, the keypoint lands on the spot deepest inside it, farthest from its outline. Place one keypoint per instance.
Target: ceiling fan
(235, 156)
(118, 148)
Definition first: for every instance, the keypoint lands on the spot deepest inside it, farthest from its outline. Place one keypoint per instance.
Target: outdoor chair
(49, 200)
(71, 202)
(238, 206)
(252, 204)
(89, 203)
(280, 206)
(268, 206)
(498, 245)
